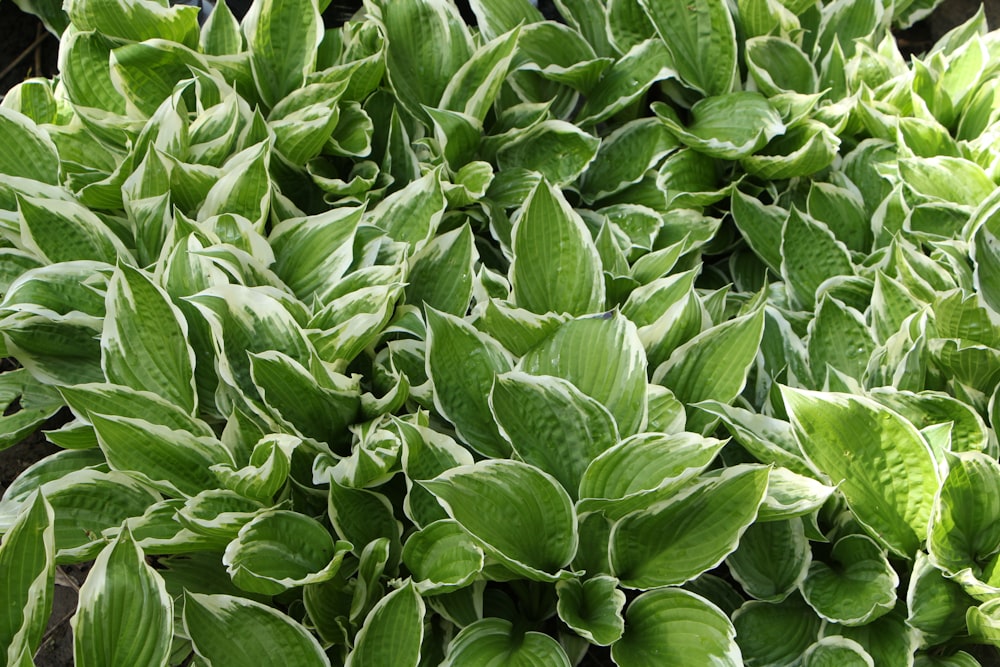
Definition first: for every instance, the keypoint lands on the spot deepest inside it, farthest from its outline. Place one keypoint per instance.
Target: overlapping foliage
(670, 328)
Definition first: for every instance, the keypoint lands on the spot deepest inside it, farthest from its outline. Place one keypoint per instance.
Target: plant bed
(666, 333)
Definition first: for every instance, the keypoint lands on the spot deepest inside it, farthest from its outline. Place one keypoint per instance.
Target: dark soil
(27, 49)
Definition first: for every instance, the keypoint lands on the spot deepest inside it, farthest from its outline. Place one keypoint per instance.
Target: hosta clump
(668, 327)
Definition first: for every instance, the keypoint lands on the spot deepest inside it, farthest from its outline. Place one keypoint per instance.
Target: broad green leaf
(27, 572)
(392, 632)
(135, 21)
(495, 17)
(361, 517)
(806, 147)
(220, 34)
(778, 65)
(792, 495)
(426, 454)
(519, 514)
(62, 231)
(767, 439)
(442, 557)
(840, 339)
(110, 399)
(858, 587)
(175, 462)
(551, 424)
(964, 532)
(667, 312)
(626, 81)
(413, 213)
(281, 39)
(27, 404)
(303, 121)
(495, 641)
(593, 608)
(775, 634)
(31, 153)
(677, 539)
(936, 605)
(701, 38)
(836, 651)
(556, 266)
(441, 273)
(558, 150)
(888, 640)
(475, 85)
(461, 391)
(712, 366)
(144, 340)
(147, 72)
(926, 408)
(244, 188)
(672, 627)
(125, 615)
(603, 357)
(624, 157)
(889, 476)
(728, 127)
(280, 549)
(218, 513)
(228, 631)
(771, 559)
(984, 622)
(318, 404)
(810, 254)
(426, 45)
(643, 469)
(628, 24)
(951, 179)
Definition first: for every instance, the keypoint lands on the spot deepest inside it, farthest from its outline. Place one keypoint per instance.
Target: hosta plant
(664, 334)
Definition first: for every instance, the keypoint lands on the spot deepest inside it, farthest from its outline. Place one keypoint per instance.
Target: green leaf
(228, 631)
(713, 366)
(392, 632)
(125, 615)
(592, 608)
(792, 495)
(244, 188)
(679, 538)
(135, 21)
(625, 156)
(985, 225)
(31, 153)
(426, 454)
(441, 272)
(936, 605)
(282, 38)
(144, 343)
(110, 399)
(556, 266)
(837, 651)
(775, 634)
(280, 549)
(768, 439)
(496, 641)
(888, 640)
(63, 231)
(926, 408)
(810, 254)
(477, 82)
(859, 587)
(175, 462)
(701, 38)
(626, 81)
(558, 150)
(984, 622)
(426, 45)
(27, 572)
(413, 213)
(313, 253)
(671, 627)
(519, 514)
(604, 358)
(642, 470)
(319, 404)
(461, 391)
(888, 475)
(838, 338)
(771, 559)
(778, 65)
(362, 517)
(964, 530)
(220, 34)
(552, 425)
(727, 127)
(27, 403)
(806, 147)
(442, 557)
